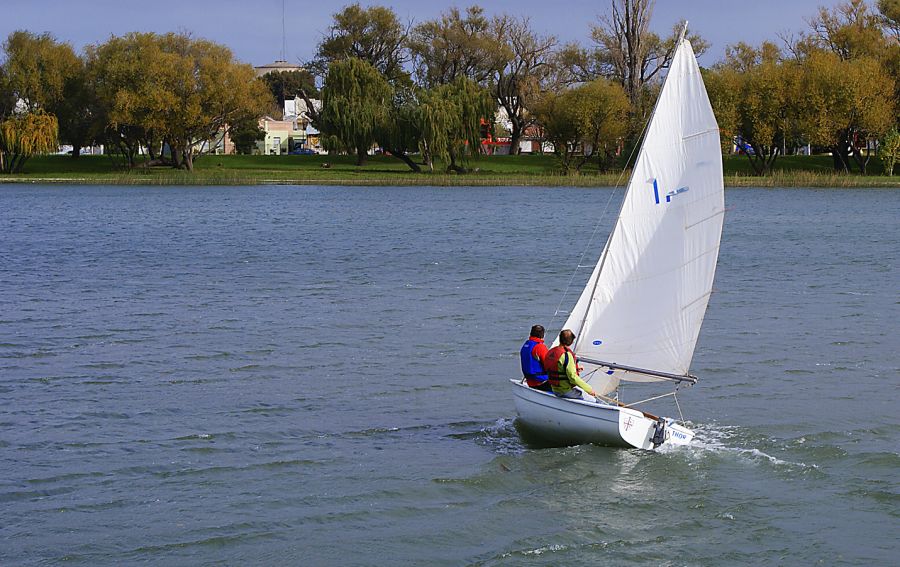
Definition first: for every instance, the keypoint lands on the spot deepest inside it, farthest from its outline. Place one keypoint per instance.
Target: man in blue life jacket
(532, 358)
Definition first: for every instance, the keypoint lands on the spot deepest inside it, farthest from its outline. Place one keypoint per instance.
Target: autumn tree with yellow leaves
(170, 93)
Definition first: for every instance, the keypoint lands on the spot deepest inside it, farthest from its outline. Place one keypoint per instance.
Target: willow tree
(435, 115)
(355, 103)
(25, 135)
(398, 132)
(373, 34)
(474, 104)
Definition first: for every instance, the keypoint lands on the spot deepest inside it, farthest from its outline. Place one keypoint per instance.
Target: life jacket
(559, 380)
(531, 367)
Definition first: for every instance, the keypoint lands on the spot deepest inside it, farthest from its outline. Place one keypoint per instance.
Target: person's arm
(572, 375)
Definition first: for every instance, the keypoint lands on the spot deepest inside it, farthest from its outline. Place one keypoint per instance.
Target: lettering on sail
(668, 195)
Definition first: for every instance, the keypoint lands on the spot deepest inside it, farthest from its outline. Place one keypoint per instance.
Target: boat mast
(605, 254)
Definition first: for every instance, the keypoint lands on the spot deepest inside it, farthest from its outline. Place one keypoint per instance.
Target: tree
(453, 46)
(857, 37)
(77, 112)
(171, 91)
(374, 35)
(37, 69)
(435, 115)
(287, 84)
(890, 13)
(25, 135)
(724, 86)
(449, 118)
(7, 98)
(890, 19)
(846, 104)
(398, 131)
(33, 80)
(355, 102)
(890, 150)
(128, 77)
(626, 51)
(585, 122)
(244, 134)
(522, 63)
(849, 30)
(756, 96)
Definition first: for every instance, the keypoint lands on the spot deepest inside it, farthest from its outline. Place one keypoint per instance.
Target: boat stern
(642, 432)
(636, 429)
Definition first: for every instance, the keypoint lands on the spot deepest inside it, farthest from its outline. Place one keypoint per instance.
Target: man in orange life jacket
(532, 357)
(562, 370)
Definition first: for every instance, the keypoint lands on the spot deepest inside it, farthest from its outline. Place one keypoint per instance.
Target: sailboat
(640, 313)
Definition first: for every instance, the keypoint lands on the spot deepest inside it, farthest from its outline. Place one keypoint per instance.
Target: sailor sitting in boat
(532, 356)
(562, 370)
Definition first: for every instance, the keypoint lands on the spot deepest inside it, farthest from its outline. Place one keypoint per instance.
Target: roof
(276, 66)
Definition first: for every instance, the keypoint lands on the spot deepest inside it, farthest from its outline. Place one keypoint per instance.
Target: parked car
(302, 152)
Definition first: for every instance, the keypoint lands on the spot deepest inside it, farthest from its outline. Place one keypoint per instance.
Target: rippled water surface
(317, 376)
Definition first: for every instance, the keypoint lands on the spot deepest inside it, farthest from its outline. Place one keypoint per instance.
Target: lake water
(318, 376)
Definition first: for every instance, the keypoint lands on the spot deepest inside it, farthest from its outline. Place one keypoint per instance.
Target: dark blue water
(317, 376)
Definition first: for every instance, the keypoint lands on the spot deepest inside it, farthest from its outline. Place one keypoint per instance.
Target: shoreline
(419, 180)
(485, 171)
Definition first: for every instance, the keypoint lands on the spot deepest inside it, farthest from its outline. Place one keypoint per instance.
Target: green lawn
(381, 170)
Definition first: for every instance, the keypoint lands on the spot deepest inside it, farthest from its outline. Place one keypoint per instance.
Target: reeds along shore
(526, 170)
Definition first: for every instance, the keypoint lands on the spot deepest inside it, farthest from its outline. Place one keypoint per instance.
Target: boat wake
(500, 437)
(731, 440)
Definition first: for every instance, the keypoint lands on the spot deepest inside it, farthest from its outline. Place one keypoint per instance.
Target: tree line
(141, 92)
(426, 93)
(836, 87)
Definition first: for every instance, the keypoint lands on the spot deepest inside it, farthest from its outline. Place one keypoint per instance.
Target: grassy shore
(537, 170)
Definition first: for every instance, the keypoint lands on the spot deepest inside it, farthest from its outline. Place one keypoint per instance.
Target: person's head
(537, 331)
(566, 337)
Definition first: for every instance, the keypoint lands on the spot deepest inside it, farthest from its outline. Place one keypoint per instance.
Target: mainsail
(645, 300)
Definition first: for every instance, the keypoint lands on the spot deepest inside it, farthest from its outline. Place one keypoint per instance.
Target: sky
(253, 28)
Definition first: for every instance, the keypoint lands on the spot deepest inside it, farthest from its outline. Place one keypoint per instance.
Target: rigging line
(632, 404)
(675, 397)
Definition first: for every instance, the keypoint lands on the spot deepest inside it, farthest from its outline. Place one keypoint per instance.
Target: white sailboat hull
(549, 419)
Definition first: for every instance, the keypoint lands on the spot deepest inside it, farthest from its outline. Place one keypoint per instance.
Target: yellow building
(282, 136)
